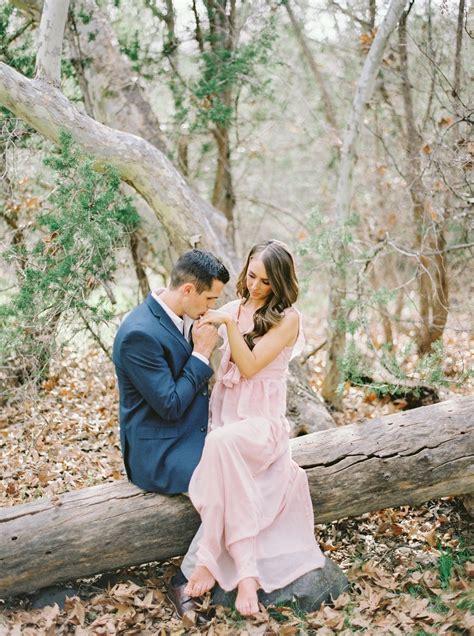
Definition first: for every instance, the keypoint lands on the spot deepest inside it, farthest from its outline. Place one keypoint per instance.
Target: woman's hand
(215, 317)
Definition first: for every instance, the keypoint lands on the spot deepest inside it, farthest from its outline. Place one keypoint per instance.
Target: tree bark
(364, 91)
(136, 241)
(222, 37)
(305, 411)
(433, 286)
(402, 459)
(457, 57)
(50, 41)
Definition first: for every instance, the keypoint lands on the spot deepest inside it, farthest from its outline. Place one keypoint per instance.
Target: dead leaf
(445, 121)
(431, 538)
(50, 614)
(469, 567)
(12, 488)
(76, 611)
(189, 619)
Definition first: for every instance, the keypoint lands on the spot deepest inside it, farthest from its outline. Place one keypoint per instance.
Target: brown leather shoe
(183, 603)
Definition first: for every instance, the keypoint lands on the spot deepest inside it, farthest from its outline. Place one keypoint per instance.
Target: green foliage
(431, 365)
(84, 221)
(449, 559)
(143, 62)
(445, 566)
(84, 16)
(15, 46)
(353, 366)
(130, 45)
(224, 72)
(324, 240)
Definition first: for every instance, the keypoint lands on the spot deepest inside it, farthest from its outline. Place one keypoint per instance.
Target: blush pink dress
(253, 499)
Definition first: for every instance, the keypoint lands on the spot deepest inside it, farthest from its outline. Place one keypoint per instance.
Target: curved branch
(180, 210)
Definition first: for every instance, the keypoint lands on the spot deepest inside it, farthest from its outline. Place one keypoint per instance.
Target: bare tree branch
(328, 106)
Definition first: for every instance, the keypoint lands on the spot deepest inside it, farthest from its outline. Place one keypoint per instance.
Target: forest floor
(411, 570)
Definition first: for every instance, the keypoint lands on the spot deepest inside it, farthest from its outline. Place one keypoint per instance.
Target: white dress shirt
(182, 324)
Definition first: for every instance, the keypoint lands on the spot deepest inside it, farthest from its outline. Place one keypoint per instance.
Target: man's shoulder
(139, 319)
(141, 314)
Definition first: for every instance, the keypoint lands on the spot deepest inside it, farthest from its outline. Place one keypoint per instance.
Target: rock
(55, 594)
(307, 592)
(59, 593)
(109, 579)
(468, 501)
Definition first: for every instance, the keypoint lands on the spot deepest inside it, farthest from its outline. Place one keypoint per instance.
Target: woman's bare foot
(246, 602)
(201, 581)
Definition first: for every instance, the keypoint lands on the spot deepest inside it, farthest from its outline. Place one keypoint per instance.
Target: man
(163, 373)
(163, 370)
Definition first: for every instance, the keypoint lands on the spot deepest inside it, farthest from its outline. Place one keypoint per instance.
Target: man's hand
(205, 338)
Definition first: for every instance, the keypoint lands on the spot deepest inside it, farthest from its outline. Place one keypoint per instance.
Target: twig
(314, 351)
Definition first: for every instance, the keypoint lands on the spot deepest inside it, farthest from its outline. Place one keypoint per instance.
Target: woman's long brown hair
(280, 268)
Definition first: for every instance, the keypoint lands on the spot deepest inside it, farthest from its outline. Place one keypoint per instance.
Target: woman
(257, 526)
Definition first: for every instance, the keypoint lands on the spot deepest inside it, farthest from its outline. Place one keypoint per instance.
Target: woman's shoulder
(294, 324)
(291, 315)
(290, 325)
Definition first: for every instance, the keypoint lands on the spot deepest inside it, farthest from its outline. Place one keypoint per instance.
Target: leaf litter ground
(411, 570)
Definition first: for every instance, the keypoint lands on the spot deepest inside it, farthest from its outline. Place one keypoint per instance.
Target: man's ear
(188, 288)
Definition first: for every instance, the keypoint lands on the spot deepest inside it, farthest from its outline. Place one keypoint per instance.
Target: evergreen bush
(82, 223)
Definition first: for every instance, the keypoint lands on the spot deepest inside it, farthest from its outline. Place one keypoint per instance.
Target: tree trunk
(433, 288)
(364, 90)
(223, 196)
(50, 42)
(305, 411)
(136, 242)
(457, 57)
(222, 36)
(402, 459)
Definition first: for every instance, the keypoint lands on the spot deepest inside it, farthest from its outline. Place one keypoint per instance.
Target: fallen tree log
(407, 458)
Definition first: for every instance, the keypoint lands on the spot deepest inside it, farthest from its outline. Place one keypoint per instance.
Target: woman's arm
(267, 348)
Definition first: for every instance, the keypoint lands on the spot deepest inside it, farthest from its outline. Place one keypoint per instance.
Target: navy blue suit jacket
(163, 400)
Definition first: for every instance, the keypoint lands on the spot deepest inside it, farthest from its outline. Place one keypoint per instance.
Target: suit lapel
(167, 323)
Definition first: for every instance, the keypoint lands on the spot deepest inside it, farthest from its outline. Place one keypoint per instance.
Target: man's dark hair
(200, 268)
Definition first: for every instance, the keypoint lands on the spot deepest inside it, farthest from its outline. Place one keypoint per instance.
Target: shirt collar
(183, 324)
